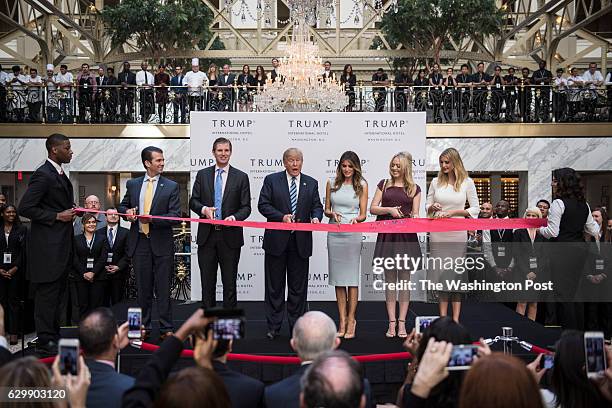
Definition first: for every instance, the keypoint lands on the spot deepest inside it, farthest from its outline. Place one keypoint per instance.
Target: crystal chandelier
(317, 9)
(299, 87)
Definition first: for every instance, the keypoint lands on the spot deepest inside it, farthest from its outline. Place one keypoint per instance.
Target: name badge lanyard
(90, 260)
(7, 256)
(501, 249)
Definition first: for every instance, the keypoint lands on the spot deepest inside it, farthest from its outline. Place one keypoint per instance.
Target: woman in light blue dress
(346, 200)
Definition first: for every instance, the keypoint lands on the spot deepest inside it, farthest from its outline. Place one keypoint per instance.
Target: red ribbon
(398, 226)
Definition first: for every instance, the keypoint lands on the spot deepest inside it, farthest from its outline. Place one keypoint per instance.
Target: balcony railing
(165, 104)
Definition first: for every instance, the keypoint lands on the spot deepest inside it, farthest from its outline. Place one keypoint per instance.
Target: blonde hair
(405, 161)
(533, 210)
(458, 169)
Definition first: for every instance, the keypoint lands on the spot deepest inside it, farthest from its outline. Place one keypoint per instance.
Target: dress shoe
(272, 334)
(46, 350)
(163, 336)
(350, 329)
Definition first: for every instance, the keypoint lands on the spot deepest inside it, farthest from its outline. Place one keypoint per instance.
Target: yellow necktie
(148, 199)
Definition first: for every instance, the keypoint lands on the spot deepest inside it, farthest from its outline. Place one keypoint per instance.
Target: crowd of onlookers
(167, 94)
(327, 376)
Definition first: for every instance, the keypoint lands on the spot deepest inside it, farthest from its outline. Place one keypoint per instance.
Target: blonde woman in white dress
(446, 199)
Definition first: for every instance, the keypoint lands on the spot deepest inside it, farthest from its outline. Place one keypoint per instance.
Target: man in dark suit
(127, 93)
(100, 340)
(150, 243)
(220, 192)
(179, 102)
(48, 203)
(244, 391)
(226, 79)
(313, 334)
(288, 196)
(117, 261)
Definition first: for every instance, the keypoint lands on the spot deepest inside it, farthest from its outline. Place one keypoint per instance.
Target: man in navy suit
(100, 340)
(313, 335)
(117, 261)
(150, 243)
(244, 391)
(220, 192)
(179, 102)
(288, 196)
(48, 203)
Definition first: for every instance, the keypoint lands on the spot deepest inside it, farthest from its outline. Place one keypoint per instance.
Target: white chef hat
(50, 67)
(195, 62)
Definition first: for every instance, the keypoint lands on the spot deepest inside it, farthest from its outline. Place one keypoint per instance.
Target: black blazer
(50, 241)
(229, 82)
(81, 252)
(166, 203)
(236, 201)
(524, 249)
(244, 391)
(274, 203)
(286, 393)
(127, 77)
(107, 386)
(119, 250)
(16, 247)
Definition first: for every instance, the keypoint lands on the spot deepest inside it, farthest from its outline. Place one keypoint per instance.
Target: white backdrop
(258, 141)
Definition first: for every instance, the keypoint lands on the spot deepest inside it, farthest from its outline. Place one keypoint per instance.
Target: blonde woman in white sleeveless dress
(446, 199)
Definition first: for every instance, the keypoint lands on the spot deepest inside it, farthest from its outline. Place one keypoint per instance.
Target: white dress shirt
(140, 78)
(143, 191)
(557, 208)
(194, 82)
(3, 78)
(608, 80)
(64, 79)
(297, 183)
(560, 82)
(58, 167)
(596, 77)
(223, 182)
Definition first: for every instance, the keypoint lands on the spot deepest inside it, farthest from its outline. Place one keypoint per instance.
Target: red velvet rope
(288, 360)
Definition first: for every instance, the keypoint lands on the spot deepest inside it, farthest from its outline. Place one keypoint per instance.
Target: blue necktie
(110, 237)
(293, 195)
(218, 193)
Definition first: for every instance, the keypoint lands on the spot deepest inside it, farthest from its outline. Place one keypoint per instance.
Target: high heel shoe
(401, 331)
(341, 329)
(350, 330)
(391, 331)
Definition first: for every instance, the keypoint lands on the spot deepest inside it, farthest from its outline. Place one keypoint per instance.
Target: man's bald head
(333, 380)
(313, 334)
(92, 202)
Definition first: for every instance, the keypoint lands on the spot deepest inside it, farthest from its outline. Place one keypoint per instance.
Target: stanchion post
(507, 341)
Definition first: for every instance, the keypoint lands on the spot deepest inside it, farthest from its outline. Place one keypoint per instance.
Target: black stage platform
(482, 320)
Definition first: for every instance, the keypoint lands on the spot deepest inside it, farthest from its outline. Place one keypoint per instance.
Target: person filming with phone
(101, 340)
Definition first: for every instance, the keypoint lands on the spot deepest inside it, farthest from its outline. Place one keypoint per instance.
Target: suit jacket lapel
(158, 190)
(211, 183)
(285, 188)
(230, 179)
(302, 187)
